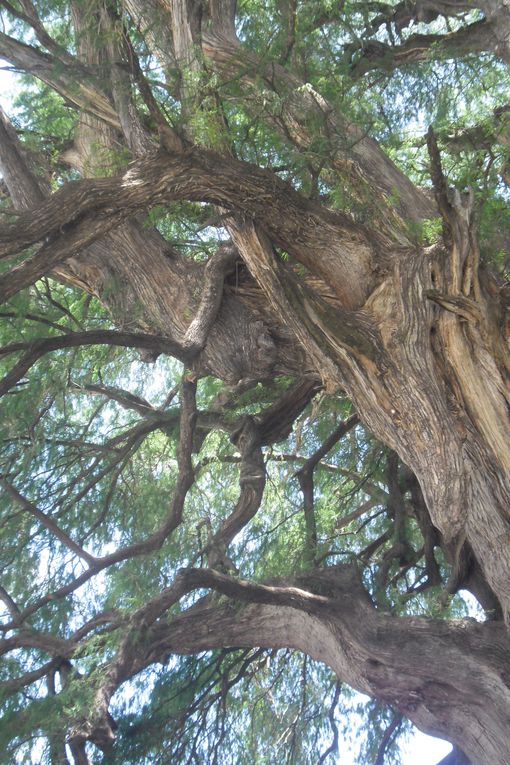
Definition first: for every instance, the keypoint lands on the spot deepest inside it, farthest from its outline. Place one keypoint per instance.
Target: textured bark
(19, 171)
(76, 85)
(158, 295)
(350, 148)
(329, 244)
(340, 351)
(477, 37)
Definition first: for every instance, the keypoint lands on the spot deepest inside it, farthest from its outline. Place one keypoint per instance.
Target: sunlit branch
(73, 81)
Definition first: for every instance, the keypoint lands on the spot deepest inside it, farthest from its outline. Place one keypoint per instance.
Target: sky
(419, 749)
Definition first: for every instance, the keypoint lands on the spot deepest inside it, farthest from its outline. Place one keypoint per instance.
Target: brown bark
(352, 154)
(474, 38)
(342, 250)
(140, 187)
(75, 85)
(160, 293)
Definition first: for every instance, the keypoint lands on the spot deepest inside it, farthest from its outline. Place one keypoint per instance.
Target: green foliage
(90, 435)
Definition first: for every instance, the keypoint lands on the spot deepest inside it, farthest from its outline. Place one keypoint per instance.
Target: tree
(255, 356)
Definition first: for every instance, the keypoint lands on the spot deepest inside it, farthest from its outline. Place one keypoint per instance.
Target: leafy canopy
(89, 451)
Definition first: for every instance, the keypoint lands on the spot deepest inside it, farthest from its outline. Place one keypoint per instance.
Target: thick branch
(275, 423)
(396, 659)
(302, 107)
(474, 38)
(75, 84)
(422, 11)
(252, 480)
(26, 188)
(217, 268)
(327, 243)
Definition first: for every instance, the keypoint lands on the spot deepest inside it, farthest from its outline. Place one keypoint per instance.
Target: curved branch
(329, 244)
(396, 660)
(218, 266)
(39, 348)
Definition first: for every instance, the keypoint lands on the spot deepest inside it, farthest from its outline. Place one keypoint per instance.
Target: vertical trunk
(145, 284)
(442, 404)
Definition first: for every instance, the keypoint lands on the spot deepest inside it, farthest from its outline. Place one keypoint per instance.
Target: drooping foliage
(155, 424)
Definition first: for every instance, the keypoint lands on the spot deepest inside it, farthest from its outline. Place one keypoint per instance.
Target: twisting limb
(331, 245)
(253, 432)
(218, 266)
(252, 479)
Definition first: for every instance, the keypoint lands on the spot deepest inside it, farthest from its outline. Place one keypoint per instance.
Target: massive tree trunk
(415, 336)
